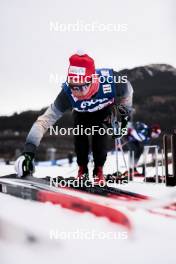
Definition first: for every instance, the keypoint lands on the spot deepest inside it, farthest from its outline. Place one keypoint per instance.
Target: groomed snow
(25, 228)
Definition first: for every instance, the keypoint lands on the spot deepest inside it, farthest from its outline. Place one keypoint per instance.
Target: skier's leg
(99, 148)
(99, 144)
(81, 144)
(99, 141)
(81, 149)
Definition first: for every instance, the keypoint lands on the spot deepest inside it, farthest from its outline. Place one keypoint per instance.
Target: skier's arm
(125, 95)
(40, 126)
(124, 92)
(124, 100)
(125, 104)
(43, 122)
(24, 165)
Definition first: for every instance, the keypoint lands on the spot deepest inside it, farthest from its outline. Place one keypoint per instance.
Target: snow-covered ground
(33, 232)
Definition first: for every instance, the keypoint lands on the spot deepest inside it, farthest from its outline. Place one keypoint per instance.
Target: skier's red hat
(81, 67)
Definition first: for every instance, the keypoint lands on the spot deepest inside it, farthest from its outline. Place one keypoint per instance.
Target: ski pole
(117, 162)
(123, 154)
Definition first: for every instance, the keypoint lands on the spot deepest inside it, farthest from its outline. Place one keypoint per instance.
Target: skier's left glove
(24, 165)
(112, 121)
(116, 129)
(124, 118)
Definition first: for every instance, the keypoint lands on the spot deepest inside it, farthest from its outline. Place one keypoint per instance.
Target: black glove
(24, 165)
(124, 118)
(112, 122)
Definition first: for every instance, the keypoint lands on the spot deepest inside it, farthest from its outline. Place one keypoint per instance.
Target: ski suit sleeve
(53, 113)
(124, 93)
(126, 96)
(124, 101)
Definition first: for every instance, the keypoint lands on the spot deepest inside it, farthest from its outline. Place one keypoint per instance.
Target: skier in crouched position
(91, 94)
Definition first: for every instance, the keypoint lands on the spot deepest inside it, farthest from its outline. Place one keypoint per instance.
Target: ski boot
(83, 173)
(98, 176)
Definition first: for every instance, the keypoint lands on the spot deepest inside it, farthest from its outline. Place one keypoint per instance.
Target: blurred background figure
(139, 135)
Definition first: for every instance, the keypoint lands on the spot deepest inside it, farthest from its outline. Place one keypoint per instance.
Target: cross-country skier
(91, 94)
(139, 135)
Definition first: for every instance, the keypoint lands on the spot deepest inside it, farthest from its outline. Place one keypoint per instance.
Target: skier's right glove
(24, 165)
